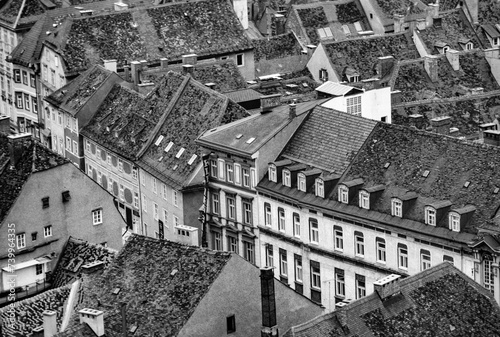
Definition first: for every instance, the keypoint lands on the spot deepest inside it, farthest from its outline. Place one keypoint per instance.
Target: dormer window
(343, 194)
(272, 173)
(430, 216)
(301, 182)
(320, 188)
(496, 41)
(354, 105)
(364, 199)
(445, 49)
(286, 178)
(454, 221)
(397, 207)
(469, 46)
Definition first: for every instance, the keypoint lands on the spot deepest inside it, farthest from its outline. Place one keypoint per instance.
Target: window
(231, 207)
(34, 236)
(314, 230)
(247, 211)
(232, 244)
(281, 219)
(296, 225)
(338, 238)
(402, 256)
(354, 105)
(249, 251)
(323, 75)
(283, 264)
(52, 77)
(448, 258)
(469, 46)
(165, 217)
(381, 252)
(272, 173)
(343, 194)
(397, 207)
(298, 268)
(430, 216)
(145, 229)
(229, 172)
(286, 178)
(320, 188)
(454, 219)
(136, 200)
(45, 202)
(122, 192)
(134, 170)
(364, 200)
(176, 221)
(360, 286)
(445, 49)
(315, 282)
(339, 282)
(155, 211)
(237, 174)
(59, 118)
(239, 60)
(68, 144)
(25, 78)
(496, 41)
(155, 186)
(215, 203)
(301, 182)
(425, 259)
(213, 168)
(144, 204)
(120, 165)
(19, 100)
(489, 276)
(39, 269)
(359, 243)
(27, 99)
(176, 204)
(253, 178)
(17, 75)
(75, 148)
(221, 169)
(32, 80)
(217, 241)
(97, 216)
(21, 240)
(47, 231)
(267, 215)
(269, 256)
(143, 179)
(231, 324)
(246, 177)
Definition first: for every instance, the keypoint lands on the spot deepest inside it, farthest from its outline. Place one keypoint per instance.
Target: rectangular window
(120, 165)
(155, 211)
(215, 203)
(155, 186)
(45, 202)
(253, 178)
(176, 221)
(403, 256)
(213, 168)
(122, 192)
(231, 208)
(34, 236)
(364, 200)
(32, 80)
(39, 269)
(230, 324)
(298, 268)
(359, 243)
(425, 259)
(17, 75)
(338, 238)
(165, 217)
(397, 208)
(144, 204)
(339, 282)
(315, 279)
(237, 174)
(229, 173)
(19, 100)
(286, 178)
(454, 222)
(25, 78)
(314, 230)
(164, 191)
(269, 256)
(381, 253)
(281, 219)
(27, 99)
(320, 188)
(249, 251)
(296, 225)
(301, 182)
(239, 60)
(134, 170)
(47, 231)
(343, 194)
(176, 202)
(267, 215)
(75, 148)
(68, 144)
(272, 173)
(52, 77)
(136, 200)
(217, 241)
(97, 216)
(360, 286)
(354, 105)
(232, 244)
(21, 240)
(35, 104)
(143, 179)
(283, 263)
(430, 216)
(247, 212)
(220, 166)
(246, 177)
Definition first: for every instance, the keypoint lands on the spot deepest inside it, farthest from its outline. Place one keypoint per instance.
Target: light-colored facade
(8, 41)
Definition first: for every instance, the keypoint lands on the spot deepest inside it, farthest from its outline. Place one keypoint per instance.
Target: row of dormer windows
(286, 176)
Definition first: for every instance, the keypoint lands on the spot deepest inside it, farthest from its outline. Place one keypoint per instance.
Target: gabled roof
(204, 27)
(328, 139)
(277, 46)
(491, 30)
(429, 303)
(451, 164)
(156, 278)
(35, 158)
(243, 95)
(336, 89)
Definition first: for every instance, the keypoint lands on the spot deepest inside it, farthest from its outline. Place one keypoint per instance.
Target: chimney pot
(441, 125)
(387, 286)
(454, 59)
(164, 62)
(292, 110)
(94, 319)
(49, 323)
(136, 68)
(431, 67)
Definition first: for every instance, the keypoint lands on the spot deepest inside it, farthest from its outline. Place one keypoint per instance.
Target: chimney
(421, 24)
(210, 85)
(292, 110)
(476, 91)
(387, 286)
(135, 70)
(399, 21)
(190, 59)
(431, 67)
(454, 59)
(120, 6)
(279, 21)
(385, 65)
(441, 125)
(187, 69)
(94, 319)
(49, 323)
(17, 144)
(433, 10)
(110, 65)
(4, 125)
(491, 137)
(267, 103)
(126, 70)
(241, 9)
(269, 326)
(164, 62)
(417, 121)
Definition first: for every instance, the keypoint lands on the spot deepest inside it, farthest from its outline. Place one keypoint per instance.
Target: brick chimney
(164, 62)
(279, 21)
(110, 65)
(385, 65)
(399, 21)
(421, 25)
(4, 125)
(454, 59)
(269, 325)
(94, 319)
(431, 67)
(187, 69)
(191, 59)
(387, 286)
(135, 69)
(49, 323)
(17, 144)
(292, 110)
(441, 125)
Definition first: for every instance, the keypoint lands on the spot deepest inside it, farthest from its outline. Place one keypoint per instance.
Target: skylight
(192, 159)
(179, 154)
(426, 173)
(161, 158)
(496, 190)
(250, 141)
(467, 183)
(387, 165)
(239, 135)
(158, 141)
(169, 146)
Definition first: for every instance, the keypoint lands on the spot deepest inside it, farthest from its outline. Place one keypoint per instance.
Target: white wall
(320, 60)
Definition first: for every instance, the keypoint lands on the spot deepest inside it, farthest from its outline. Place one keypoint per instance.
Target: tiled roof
(277, 46)
(170, 30)
(75, 94)
(454, 26)
(329, 139)
(362, 54)
(29, 313)
(157, 279)
(441, 301)
(243, 95)
(36, 158)
(402, 7)
(491, 30)
(445, 5)
(224, 74)
(261, 127)
(450, 162)
(75, 254)
(488, 12)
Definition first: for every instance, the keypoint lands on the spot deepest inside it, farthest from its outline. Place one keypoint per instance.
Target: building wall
(237, 292)
(320, 60)
(71, 218)
(330, 258)
(192, 202)
(8, 41)
(373, 17)
(282, 65)
(419, 44)
(247, 69)
(25, 112)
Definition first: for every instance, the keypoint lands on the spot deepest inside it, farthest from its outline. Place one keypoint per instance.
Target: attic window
(45, 202)
(343, 194)
(397, 207)
(320, 188)
(250, 141)
(467, 183)
(66, 196)
(239, 135)
(179, 154)
(116, 291)
(430, 216)
(192, 159)
(158, 141)
(169, 146)
(386, 166)
(426, 173)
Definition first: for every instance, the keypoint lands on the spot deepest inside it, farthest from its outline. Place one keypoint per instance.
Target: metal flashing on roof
(466, 184)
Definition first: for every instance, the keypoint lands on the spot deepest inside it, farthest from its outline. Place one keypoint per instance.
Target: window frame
(381, 249)
(215, 203)
(230, 172)
(425, 259)
(301, 182)
(359, 244)
(454, 221)
(245, 172)
(313, 231)
(268, 216)
(430, 216)
(397, 207)
(231, 207)
(296, 225)
(97, 216)
(402, 256)
(247, 211)
(269, 256)
(364, 199)
(343, 194)
(47, 231)
(214, 169)
(272, 173)
(339, 282)
(338, 239)
(315, 276)
(281, 219)
(240, 60)
(319, 187)
(298, 269)
(286, 178)
(21, 240)
(360, 286)
(283, 263)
